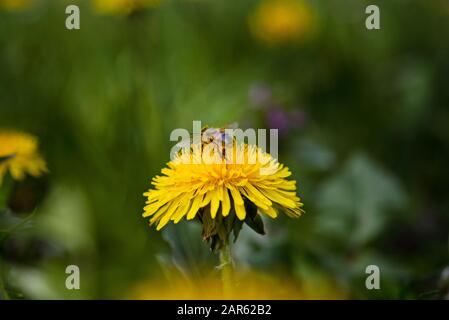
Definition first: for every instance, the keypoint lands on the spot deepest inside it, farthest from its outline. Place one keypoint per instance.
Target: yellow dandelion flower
(16, 5)
(247, 286)
(281, 21)
(223, 187)
(19, 155)
(122, 7)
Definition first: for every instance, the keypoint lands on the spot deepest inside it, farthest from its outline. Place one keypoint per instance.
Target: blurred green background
(363, 119)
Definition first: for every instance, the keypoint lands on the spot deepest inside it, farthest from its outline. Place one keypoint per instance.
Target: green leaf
(356, 203)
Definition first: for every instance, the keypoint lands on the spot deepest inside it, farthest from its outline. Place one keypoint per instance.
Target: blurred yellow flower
(281, 21)
(19, 155)
(199, 181)
(16, 5)
(122, 7)
(248, 286)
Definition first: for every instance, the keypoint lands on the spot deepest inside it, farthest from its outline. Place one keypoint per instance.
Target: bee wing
(233, 125)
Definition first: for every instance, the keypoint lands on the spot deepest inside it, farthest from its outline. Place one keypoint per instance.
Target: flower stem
(226, 267)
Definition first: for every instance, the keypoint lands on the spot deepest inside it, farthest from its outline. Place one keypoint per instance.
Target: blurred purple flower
(277, 118)
(261, 97)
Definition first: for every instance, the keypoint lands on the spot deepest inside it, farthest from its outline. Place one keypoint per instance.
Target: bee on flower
(19, 156)
(276, 22)
(222, 183)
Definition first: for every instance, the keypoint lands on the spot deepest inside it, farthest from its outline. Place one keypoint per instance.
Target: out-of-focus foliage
(363, 118)
(361, 196)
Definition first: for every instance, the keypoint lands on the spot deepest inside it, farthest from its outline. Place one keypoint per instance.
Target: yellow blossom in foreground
(15, 5)
(19, 155)
(199, 181)
(281, 21)
(248, 286)
(122, 7)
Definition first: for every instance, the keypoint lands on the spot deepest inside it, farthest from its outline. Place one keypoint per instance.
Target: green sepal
(216, 231)
(236, 229)
(209, 224)
(253, 219)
